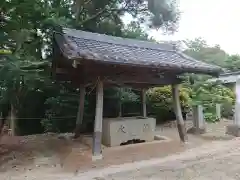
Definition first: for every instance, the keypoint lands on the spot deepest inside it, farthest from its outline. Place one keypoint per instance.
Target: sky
(216, 21)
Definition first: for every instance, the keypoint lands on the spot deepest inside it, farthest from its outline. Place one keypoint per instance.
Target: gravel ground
(217, 160)
(49, 156)
(224, 164)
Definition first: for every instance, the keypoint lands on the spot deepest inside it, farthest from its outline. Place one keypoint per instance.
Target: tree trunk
(178, 112)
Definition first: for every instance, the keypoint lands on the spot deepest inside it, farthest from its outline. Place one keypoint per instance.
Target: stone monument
(235, 128)
(121, 129)
(198, 121)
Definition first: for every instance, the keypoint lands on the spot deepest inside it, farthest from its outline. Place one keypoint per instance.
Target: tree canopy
(26, 50)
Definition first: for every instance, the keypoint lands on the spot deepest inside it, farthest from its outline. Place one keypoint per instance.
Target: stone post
(235, 128)
(199, 126)
(218, 111)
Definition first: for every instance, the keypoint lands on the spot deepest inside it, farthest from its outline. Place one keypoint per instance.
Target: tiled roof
(227, 78)
(77, 44)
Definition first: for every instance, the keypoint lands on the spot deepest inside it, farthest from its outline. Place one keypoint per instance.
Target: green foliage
(205, 93)
(227, 110)
(5, 52)
(25, 52)
(25, 48)
(210, 115)
(127, 95)
(121, 94)
(17, 77)
(134, 31)
(161, 104)
(61, 109)
(233, 63)
(199, 49)
(165, 13)
(210, 94)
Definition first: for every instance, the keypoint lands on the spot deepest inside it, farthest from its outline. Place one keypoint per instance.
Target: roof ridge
(117, 40)
(167, 50)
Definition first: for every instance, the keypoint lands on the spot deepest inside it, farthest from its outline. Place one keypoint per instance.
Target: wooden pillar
(97, 135)
(1, 124)
(81, 106)
(144, 105)
(120, 102)
(178, 112)
(12, 121)
(80, 112)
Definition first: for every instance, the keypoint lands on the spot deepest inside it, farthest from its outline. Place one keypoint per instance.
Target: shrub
(227, 110)
(160, 102)
(208, 95)
(60, 114)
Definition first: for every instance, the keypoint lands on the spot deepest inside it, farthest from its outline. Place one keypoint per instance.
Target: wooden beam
(142, 80)
(144, 105)
(121, 81)
(80, 112)
(114, 67)
(120, 76)
(81, 105)
(178, 112)
(96, 69)
(97, 135)
(61, 71)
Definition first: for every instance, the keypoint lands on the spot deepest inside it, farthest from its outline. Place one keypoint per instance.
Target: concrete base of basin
(122, 129)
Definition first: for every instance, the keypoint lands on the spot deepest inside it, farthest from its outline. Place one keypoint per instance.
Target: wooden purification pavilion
(98, 60)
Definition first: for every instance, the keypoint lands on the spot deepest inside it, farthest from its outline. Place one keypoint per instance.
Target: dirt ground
(60, 153)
